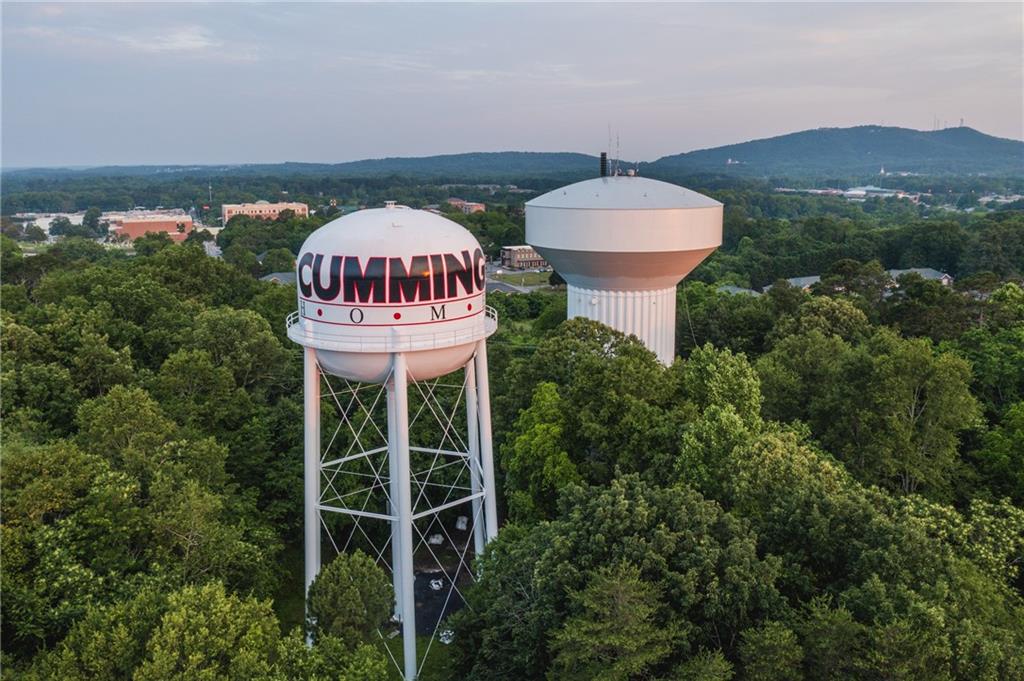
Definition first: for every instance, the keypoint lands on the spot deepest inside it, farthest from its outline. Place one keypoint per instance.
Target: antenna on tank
(617, 157)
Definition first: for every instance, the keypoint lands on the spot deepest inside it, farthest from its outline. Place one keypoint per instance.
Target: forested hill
(855, 151)
(481, 166)
(825, 152)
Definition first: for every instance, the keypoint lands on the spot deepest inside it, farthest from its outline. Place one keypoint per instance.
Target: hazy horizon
(227, 84)
(372, 158)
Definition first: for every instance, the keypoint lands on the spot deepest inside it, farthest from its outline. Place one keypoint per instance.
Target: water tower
(622, 243)
(391, 303)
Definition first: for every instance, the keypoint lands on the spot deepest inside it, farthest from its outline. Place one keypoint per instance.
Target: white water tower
(390, 302)
(622, 243)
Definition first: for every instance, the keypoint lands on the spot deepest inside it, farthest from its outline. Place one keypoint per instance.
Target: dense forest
(826, 484)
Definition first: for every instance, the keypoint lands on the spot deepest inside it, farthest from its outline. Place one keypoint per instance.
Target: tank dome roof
(623, 192)
(393, 231)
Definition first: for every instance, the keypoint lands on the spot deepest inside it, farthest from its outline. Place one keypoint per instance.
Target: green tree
(91, 221)
(702, 560)
(704, 666)
(330, 658)
(997, 362)
(923, 401)
(152, 242)
(616, 633)
(73, 534)
(126, 426)
(719, 377)
(832, 640)
(865, 282)
(829, 316)
(241, 341)
(349, 599)
(278, 260)
(1001, 457)
(34, 233)
(536, 464)
(881, 563)
(60, 226)
(196, 536)
(211, 634)
(242, 258)
(927, 308)
(87, 653)
(771, 652)
(891, 408)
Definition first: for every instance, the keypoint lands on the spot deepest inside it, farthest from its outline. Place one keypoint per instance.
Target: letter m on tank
(364, 285)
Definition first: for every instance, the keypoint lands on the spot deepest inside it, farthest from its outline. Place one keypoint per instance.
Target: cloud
(93, 39)
(186, 39)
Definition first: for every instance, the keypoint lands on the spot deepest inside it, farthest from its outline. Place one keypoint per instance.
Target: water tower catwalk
(397, 406)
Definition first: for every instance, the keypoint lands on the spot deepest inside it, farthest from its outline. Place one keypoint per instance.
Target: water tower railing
(327, 340)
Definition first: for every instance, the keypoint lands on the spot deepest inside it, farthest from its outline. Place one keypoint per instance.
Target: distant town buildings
(492, 188)
(467, 207)
(805, 283)
(262, 209)
(1000, 199)
(521, 258)
(127, 225)
(131, 227)
(857, 193)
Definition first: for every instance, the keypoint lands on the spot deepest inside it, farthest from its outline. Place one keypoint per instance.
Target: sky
(211, 83)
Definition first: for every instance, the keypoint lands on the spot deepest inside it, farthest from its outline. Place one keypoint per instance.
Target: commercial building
(133, 226)
(521, 258)
(262, 209)
(467, 207)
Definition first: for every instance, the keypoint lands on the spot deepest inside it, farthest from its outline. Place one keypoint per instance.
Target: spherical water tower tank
(622, 243)
(380, 281)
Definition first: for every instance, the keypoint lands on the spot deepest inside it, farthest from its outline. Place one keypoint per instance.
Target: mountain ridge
(858, 150)
(827, 151)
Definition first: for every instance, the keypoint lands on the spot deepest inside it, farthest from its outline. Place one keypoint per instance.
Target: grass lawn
(438, 665)
(523, 278)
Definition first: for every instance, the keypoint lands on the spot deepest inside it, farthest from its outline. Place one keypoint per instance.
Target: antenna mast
(616, 171)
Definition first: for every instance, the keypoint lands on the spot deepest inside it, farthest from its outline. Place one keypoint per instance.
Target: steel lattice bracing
(401, 462)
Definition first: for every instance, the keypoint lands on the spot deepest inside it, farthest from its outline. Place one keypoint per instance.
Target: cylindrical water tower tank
(622, 243)
(380, 281)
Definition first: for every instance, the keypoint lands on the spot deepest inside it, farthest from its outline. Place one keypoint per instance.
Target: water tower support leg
(396, 528)
(311, 461)
(473, 432)
(486, 448)
(398, 432)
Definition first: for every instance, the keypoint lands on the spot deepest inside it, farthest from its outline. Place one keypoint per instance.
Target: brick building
(521, 258)
(262, 209)
(467, 207)
(132, 227)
